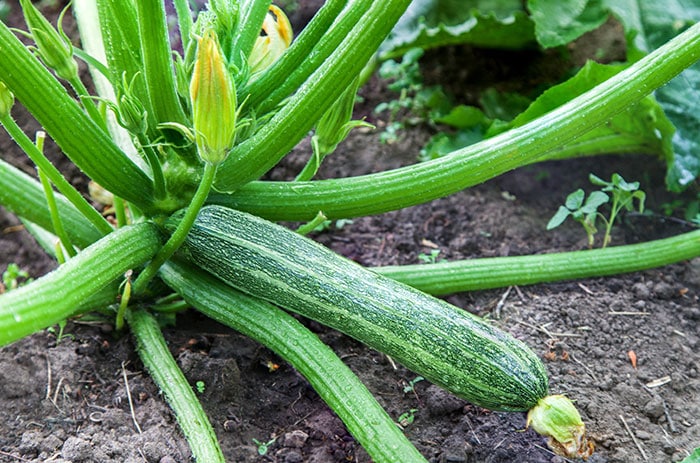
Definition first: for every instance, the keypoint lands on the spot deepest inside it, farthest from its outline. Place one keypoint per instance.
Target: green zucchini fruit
(444, 344)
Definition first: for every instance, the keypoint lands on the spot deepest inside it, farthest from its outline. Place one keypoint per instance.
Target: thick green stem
(54, 175)
(255, 156)
(24, 196)
(331, 379)
(58, 295)
(158, 63)
(251, 16)
(179, 235)
(83, 141)
(161, 365)
(495, 272)
(416, 184)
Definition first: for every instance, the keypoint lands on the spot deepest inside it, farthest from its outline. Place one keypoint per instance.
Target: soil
(71, 400)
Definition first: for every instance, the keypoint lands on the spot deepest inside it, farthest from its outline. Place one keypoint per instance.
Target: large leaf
(485, 23)
(640, 128)
(649, 24)
(558, 23)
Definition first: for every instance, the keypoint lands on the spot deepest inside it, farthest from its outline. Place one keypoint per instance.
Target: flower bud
(131, 112)
(336, 123)
(54, 48)
(213, 98)
(270, 46)
(7, 99)
(556, 417)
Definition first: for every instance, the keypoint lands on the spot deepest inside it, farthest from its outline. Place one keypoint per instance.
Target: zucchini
(446, 345)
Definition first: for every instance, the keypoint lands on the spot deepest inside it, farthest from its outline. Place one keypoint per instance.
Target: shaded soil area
(87, 398)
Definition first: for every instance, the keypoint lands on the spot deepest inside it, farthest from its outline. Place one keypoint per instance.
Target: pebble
(295, 439)
(654, 409)
(76, 449)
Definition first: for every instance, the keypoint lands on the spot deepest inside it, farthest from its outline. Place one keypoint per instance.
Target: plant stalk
(253, 157)
(24, 196)
(58, 295)
(40, 160)
(495, 272)
(84, 142)
(161, 366)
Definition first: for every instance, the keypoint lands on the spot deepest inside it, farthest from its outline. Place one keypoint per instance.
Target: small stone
(295, 439)
(30, 442)
(76, 449)
(669, 449)
(641, 290)
(643, 435)
(654, 409)
(167, 459)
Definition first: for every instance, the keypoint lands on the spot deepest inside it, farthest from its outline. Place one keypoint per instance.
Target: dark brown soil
(68, 401)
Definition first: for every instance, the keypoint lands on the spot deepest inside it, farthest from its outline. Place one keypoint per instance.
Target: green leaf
(595, 200)
(558, 218)
(574, 200)
(558, 23)
(462, 117)
(503, 105)
(648, 24)
(435, 23)
(640, 128)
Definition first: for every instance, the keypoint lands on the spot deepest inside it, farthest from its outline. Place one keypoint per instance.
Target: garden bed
(88, 399)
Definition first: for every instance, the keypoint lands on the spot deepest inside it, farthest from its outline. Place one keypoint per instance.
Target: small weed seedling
(416, 101)
(263, 447)
(60, 335)
(14, 277)
(411, 386)
(431, 258)
(200, 386)
(585, 210)
(407, 418)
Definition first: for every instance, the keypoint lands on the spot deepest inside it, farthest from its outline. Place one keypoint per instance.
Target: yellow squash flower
(213, 97)
(276, 39)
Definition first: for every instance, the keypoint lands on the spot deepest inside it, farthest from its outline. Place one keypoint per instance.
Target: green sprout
(200, 386)
(14, 277)
(411, 386)
(431, 258)
(416, 102)
(407, 418)
(585, 210)
(263, 447)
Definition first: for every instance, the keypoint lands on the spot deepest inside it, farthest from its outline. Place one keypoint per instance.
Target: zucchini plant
(181, 144)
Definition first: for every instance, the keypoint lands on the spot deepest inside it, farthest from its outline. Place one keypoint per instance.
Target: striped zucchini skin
(445, 344)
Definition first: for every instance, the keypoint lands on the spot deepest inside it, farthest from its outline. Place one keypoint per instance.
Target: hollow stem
(161, 366)
(495, 272)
